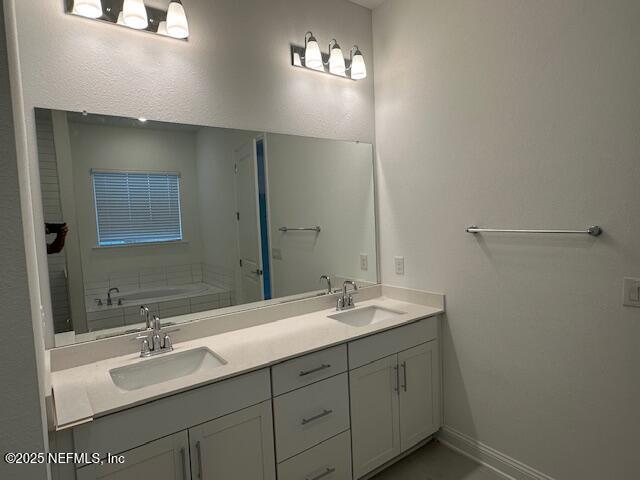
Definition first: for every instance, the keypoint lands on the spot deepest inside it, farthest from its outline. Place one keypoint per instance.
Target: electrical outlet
(364, 262)
(399, 261)
(631, 292)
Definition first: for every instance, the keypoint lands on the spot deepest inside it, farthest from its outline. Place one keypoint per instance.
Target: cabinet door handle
(328, 471)
(199, 454)
(404, 375)
(397, 387)
(183, 459)
(324, 413)
(324, 366)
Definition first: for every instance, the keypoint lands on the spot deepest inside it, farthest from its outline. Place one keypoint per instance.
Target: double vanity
(292, 391)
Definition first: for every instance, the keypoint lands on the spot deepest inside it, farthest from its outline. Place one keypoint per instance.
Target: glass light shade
(312, 55)
(336, 61)
(88, 8)
(120, 20)
(162, 28)
(358, 68)
(135, 14)
(177, 24)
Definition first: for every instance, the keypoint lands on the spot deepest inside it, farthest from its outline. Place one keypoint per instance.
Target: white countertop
(87, 392)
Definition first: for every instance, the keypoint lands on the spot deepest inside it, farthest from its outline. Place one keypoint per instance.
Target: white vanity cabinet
(239, 445)
(163, 459)
(395, 400)
(335, 414)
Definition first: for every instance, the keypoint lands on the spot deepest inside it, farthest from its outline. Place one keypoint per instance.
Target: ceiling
(368, 3)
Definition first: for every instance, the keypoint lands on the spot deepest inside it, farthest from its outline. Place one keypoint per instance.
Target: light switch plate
(399, 261)
(364, 262)
(631, 292)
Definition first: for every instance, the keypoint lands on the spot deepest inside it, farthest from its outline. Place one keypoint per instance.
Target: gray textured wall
(20, 417)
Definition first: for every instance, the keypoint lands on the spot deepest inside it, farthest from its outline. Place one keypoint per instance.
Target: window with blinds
(134, 208)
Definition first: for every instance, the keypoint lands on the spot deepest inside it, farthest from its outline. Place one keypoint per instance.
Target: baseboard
(508, 467)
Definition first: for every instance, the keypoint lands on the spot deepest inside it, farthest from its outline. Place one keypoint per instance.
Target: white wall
(325, 183)
(233, 72)
(217, 199)
(103, 147)
(520, 114)
(21, 420)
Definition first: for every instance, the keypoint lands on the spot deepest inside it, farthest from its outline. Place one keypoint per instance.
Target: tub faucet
(345, 300)
(114, 289)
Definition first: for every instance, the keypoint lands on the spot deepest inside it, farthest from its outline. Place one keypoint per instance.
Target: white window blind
(136, 207)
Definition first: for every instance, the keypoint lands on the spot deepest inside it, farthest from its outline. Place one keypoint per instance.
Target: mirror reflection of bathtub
(166, 301)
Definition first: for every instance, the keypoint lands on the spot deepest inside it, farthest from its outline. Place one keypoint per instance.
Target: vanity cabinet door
(236, 446)
(375, 428)
(419, 387)
(163, 459)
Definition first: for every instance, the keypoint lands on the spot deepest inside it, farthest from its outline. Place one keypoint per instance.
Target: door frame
(260, 257)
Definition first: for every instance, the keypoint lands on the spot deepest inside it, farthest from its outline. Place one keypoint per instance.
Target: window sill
(139, 245)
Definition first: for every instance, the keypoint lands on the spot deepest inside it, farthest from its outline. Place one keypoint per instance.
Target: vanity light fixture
(88, 8)
(358, 67)
(336, 59)
(310, 57)
(177, 24)
(134, 14)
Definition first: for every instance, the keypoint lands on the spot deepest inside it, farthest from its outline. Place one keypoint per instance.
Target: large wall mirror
(187, 219)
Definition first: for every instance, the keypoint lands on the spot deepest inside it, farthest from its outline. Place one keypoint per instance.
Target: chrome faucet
(146, 314)
(155, 341)
(345, 300)
(114, 289)
(327, 278)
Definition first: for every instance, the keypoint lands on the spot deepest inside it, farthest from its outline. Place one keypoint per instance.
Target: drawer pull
(324, 366)
(328, 471)
(324, 413)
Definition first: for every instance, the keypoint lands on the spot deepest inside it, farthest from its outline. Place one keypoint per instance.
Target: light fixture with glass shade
(358, 67)
(310, 57)
(336, 59)
(177, 24)
(88, 8)
(167, 18)
(134, 14)
(312, 54)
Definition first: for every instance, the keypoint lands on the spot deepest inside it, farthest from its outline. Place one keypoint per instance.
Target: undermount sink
(361, 317)
(164, 368)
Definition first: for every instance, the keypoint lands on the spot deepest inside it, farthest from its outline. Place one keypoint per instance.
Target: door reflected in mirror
(186, 219)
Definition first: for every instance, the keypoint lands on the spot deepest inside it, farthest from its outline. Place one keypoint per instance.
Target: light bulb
(135, 14)
(177, 24)
(312, 55)
(88, 8)
(358, 67)
(162, 28)
(336, 60)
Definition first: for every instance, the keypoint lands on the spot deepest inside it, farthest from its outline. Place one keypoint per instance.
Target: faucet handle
(166, 342)
(145, 349)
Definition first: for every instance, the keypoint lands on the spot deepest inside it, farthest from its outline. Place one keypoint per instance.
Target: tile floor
(434, 461)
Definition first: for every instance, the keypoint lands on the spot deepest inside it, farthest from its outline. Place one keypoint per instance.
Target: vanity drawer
(375, 347)
(305, 417)
(311, 368)
(331, 460)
